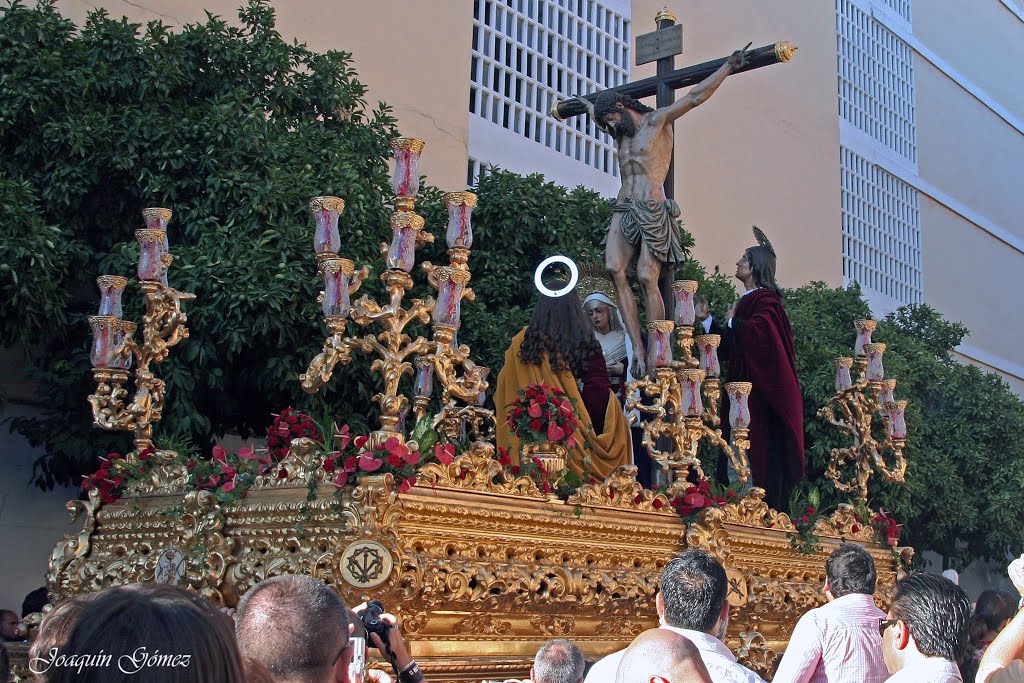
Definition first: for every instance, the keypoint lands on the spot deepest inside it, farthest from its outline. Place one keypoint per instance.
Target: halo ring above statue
(574, 276)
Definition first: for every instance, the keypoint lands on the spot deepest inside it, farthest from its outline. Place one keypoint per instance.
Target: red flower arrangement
(288, 426)
(113, 475)
(228, 475)
(391, 456)
(699, 497)
(887, 529)
(543, 414)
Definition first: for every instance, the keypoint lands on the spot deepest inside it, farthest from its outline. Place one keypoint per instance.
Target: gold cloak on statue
(606, 451)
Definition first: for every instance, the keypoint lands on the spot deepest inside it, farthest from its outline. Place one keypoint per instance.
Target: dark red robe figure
(595, 392)
(759, 348)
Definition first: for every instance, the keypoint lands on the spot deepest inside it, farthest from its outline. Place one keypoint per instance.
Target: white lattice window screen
(876, 78)
(528, 53)
(900, 7)
(881, 230)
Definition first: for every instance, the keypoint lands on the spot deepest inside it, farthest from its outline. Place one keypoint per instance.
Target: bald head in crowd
(660, 653)
(558, 661)
(295, 626)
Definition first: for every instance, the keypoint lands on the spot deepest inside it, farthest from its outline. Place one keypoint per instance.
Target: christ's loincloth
(655, 223)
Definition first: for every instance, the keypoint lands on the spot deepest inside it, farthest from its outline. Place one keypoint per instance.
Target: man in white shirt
(692, 602)
(925, 630)
(839, 642)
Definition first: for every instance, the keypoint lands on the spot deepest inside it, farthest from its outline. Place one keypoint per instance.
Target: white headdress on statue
(595, 288)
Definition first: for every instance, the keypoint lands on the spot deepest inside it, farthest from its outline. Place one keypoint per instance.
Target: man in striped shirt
(839, 642)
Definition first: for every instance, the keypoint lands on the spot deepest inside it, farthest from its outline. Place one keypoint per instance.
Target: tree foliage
(235, 129)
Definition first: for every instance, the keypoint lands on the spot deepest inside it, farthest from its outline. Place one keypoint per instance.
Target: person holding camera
(299, 629)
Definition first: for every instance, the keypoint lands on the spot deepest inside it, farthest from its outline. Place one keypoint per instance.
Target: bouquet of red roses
(543, 414)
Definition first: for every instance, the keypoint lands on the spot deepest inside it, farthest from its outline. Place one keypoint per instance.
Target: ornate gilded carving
(302, 467)
(616, 627)
(61, 577)
(553, 625)
(477, 470)
(751, 510)
(844, 523)
(484, 625)
(754, 653)
(621, 490)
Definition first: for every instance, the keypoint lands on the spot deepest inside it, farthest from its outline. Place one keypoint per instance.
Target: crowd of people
(296, 629)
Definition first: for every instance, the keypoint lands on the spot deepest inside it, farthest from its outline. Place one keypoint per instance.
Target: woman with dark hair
(758, 344)
(56, 627)
(992, 612)
(146, 632)
(558, 348)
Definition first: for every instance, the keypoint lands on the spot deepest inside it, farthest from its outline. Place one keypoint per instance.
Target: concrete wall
(412, 55)
(975, 156)
(31, 521)
(765, 149)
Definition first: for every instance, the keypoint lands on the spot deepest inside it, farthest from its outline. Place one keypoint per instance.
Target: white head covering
(616, 344)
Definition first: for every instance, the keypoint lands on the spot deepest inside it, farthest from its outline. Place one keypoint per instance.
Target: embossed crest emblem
(366, 564)
(170, 566)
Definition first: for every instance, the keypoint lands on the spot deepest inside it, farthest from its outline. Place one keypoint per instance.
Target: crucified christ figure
(644, 219)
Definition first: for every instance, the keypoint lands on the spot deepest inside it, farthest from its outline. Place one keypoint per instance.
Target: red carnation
(536, 425)
(394, 460)
(657, 504)
(503, 457)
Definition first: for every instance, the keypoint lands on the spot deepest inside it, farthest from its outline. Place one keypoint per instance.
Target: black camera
(372, 621)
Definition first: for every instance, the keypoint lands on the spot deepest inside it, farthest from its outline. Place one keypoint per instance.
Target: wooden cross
(662, 46)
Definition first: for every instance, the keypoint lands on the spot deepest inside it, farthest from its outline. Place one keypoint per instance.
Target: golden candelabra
(680, 398)
(114, 347)
(853, 409)
(440, 357)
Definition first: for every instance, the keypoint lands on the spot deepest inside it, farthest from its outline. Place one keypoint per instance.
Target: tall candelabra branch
(114, 349)
(858, 410)
(393, 349)
(680, 398)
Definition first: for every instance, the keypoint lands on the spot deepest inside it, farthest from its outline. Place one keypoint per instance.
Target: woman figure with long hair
(558, 348)
(758, 344)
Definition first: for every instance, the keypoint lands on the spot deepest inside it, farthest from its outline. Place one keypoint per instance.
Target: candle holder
(683, 294)
(843, 379)
(114, 347)
(707, 345)
(854, 410)
(326, 212)
(393, 348)
(864, 330)
(680, 401)
(875, 370)
(111, 291)
(460, 228)
(405, 182)
(739, 421)
(659, 343)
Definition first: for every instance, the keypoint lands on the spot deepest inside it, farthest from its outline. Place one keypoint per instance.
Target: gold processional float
(480, 565)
